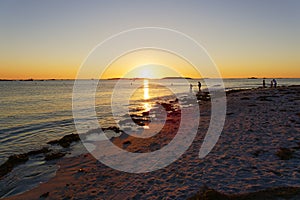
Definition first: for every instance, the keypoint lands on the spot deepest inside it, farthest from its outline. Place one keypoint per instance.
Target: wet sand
(259, 149)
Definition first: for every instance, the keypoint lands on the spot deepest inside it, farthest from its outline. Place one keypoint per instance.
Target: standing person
(191, 88)
(264, 83)
(275, 83)
(271, 83)
(199, 86)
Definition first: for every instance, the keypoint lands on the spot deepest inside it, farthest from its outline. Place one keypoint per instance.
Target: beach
(259, 149)
(146, 100)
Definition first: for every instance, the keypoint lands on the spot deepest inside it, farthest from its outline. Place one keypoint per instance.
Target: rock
(19, 159)
(126, 144)
(209, 194)
(257, 152)
(146, 113)
(12, 162)
(154, 146)
(245, 98)
(275, 172)
(167, 106)
(35, 152)
(140, 121)
(113, 128)
(54, 155)
(285, 153)
(173, 101)
(66, 140)
(213, 194)
(45, 195)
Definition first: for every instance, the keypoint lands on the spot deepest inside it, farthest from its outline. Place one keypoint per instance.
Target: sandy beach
(258, 149)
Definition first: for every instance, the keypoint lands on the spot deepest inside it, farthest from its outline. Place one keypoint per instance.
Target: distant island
(124, 79)
(171, 77)
(176, 77)
(30, 79)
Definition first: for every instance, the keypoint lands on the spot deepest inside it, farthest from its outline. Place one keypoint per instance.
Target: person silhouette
(271, 83)
(199, 85)
(191, 88)
(275, 83)
(264, 83)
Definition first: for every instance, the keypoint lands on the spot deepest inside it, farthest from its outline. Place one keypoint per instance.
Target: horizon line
(137, 78)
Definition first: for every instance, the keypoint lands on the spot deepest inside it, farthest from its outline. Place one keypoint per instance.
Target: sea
(35, 112)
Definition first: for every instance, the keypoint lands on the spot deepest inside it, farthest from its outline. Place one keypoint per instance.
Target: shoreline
(241, 103)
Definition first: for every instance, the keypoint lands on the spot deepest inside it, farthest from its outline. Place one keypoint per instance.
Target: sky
(52, 39)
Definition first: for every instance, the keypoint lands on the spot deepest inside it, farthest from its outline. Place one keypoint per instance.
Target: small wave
(31, 127)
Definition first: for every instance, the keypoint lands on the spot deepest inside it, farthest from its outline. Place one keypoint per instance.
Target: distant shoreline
(164, 78)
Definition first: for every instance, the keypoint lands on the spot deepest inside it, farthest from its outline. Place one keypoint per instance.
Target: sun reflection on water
(146, 89)
(147, 106)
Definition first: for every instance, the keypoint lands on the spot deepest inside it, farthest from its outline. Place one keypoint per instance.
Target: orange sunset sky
(44, 40)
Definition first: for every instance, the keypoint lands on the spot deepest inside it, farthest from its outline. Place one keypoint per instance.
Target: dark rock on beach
(285, 153)
(141, 121)
(126, 144)
(113, 128)
(39, 151)
(167, 106)
(66, 140)
(245, 98)
(206, 193)
(11, 163)
(17, 159)
(54, 155)
(45, 195)
(256, 153)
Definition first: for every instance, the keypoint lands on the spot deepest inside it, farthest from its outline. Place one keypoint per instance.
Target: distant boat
(252, 77)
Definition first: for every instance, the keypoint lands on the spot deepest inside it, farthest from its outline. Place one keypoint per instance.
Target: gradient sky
(50, 39)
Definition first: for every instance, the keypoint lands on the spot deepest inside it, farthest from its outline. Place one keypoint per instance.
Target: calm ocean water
(35, 112)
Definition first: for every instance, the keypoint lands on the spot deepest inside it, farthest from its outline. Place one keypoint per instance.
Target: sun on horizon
(152, 71)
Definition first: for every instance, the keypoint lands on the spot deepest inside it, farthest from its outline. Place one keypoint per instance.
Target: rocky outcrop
(12, 162)
(66, 140)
